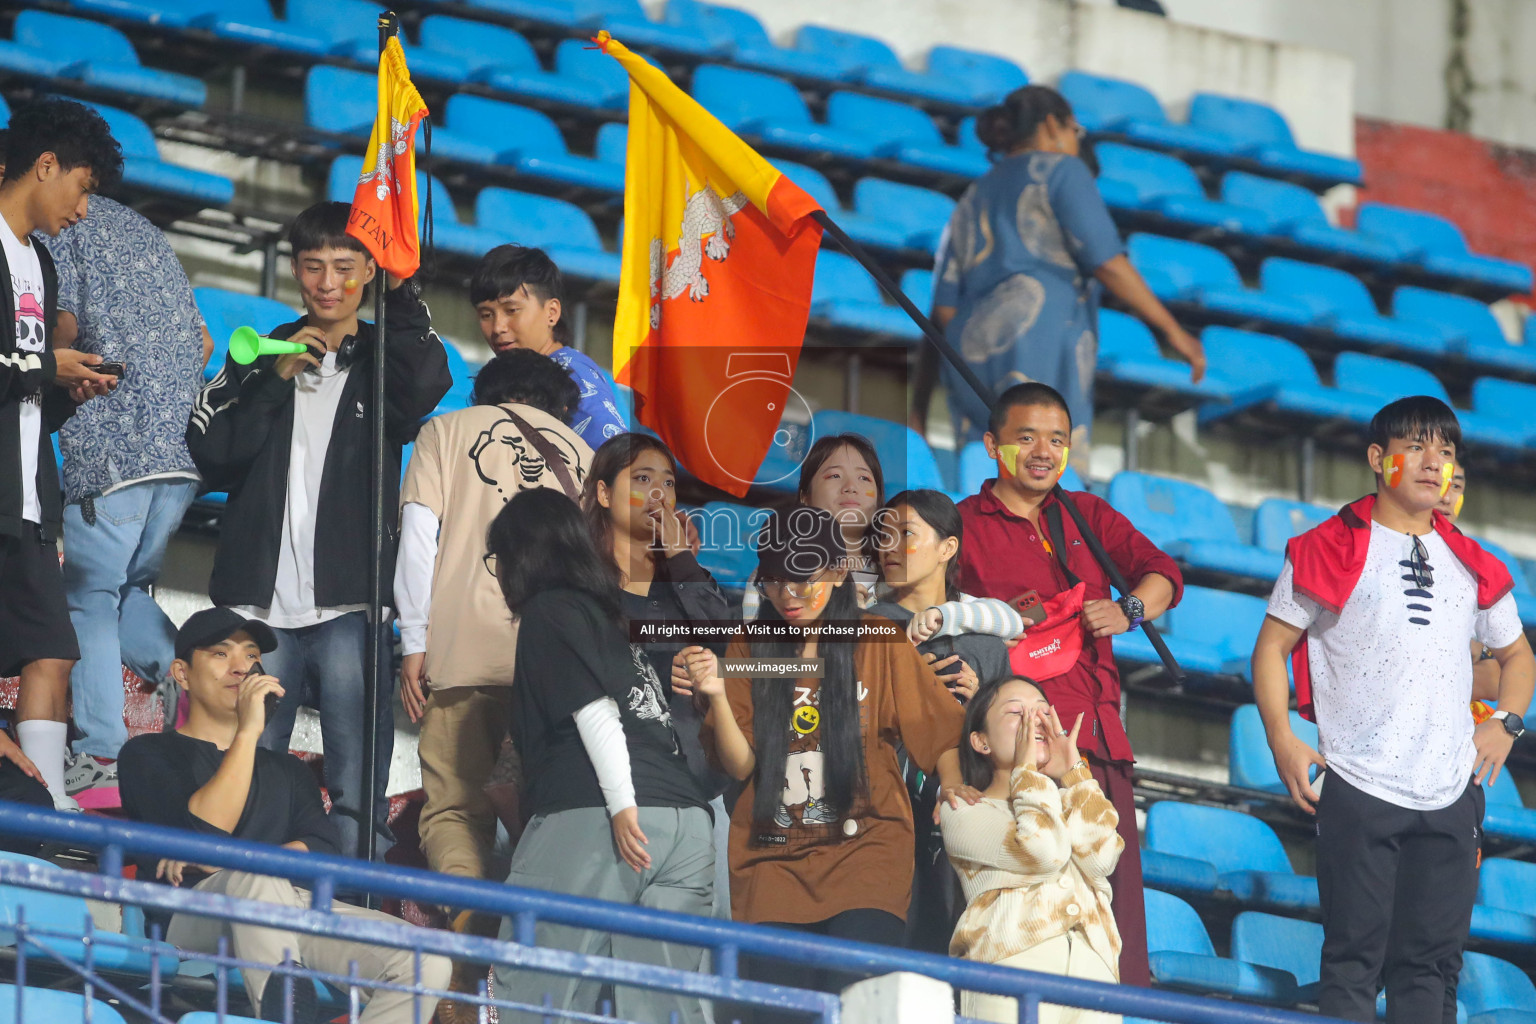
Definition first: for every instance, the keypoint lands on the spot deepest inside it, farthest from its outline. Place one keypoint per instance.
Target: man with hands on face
(289, 437)
(1022, 547)
(212, 776)
(1377, 608)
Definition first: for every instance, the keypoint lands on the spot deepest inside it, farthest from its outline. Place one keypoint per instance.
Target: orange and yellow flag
(384, 210)
(719, 252)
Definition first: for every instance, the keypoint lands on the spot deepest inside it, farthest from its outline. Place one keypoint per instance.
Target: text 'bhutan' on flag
(719, 253)
(384, 211)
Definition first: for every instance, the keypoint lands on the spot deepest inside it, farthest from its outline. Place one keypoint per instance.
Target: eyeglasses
(1418, 564)
(489, 561)
(793, 589)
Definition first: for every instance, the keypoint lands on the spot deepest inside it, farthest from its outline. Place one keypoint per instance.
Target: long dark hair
(842, 740)
(975, 769)
(1013, 122)
(938, 511)
(541, 542)
(616, 455)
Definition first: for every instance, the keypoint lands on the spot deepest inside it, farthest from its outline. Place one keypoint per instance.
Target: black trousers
(18, 787)
(1397, 888)
(863, 925)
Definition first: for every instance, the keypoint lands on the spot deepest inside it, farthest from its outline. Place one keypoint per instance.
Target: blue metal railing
(727, 941)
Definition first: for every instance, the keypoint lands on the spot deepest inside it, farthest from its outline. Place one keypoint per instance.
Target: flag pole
(377, 662)
(935, 337)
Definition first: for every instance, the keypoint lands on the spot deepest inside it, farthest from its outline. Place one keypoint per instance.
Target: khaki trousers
(461, 733)
(1067, 954)
(273, 946)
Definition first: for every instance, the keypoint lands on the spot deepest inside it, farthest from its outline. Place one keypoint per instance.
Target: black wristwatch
(1134, 610)
(1513, 723)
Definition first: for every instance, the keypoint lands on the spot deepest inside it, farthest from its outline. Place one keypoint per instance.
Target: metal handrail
(324, 875)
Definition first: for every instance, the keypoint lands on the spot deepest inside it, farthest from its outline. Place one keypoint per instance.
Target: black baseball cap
(215, 625)
(795, 545)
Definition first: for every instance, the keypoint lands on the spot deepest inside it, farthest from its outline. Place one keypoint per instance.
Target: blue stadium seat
(1249, 762)
(1129, 354)
(41, 1004)
(1508, 402)
(1496, 991)
(223, 311)
(976, 469)
(1210, 633)
(448, 232)
(917, 285)
(1283, 943)
(1140, 179)
(905, 458)
(744, 37)
(95, 55)
(1295, 212)
(578, 60)
(726, 532)
(1339, 302)
(988, 77)
(1506, 816)
(612, 145)
(1387, 380)
(1279, 374)
(143, 168)
(1506, 893)
(204, 1017)
(1260, 132)
(1182, 957)
(1190, 524)
(965, 135)
(628, 22)
(528, 140)
(351, 26)
(1182, 271)
(1277, 520)
(1114, 106)
(867, 230)
(904, 133)
(563, 13)
(921, 214)
(561, 229)
(68, 914)
(504, 60)
(346, 102)
(844, 295)
(1438, 246)
(1249, 859)
(1178, 874)
(1468, 326)
(865, 59)
(768, 108)
(251, 22)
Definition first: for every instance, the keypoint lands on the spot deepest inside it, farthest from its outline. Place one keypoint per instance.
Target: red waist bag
(1053, 646)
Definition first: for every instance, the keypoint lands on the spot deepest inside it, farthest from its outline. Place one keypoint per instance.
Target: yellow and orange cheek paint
(1392, 469)
(1447, 476)
(350, 285)
(1008, 459)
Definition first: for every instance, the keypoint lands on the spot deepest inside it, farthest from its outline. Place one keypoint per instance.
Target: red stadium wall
(1487, 188)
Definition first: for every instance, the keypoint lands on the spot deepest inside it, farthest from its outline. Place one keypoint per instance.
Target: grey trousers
(573, 852)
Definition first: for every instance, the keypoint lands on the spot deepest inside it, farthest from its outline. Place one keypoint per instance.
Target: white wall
(1311, 86)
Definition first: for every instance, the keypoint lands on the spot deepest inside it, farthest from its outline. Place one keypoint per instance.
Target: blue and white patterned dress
(597, 416)
(1017, 265)
(120, 279)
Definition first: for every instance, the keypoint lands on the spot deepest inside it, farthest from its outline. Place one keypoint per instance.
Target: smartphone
(1029, 607)
(271, 701)
(111, 369)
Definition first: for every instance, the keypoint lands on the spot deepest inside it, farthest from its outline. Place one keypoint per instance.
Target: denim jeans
(109, 566)
(322, 666)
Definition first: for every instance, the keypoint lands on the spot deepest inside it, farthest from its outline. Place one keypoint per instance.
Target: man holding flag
(289, 436)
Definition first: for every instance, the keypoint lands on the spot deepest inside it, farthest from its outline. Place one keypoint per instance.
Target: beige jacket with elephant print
(1035, 866)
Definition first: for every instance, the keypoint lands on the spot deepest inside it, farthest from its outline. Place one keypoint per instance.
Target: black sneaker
(306, 1004)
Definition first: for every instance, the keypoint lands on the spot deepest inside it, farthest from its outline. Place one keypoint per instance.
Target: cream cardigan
(1034, 866)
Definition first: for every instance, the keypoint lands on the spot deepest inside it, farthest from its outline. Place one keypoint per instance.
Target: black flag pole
(935, 337)
(377, 660)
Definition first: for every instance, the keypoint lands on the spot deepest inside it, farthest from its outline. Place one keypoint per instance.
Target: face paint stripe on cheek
(1392, 469)
(636, 499)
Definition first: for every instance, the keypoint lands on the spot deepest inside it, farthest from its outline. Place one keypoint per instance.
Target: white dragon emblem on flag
(706, 231)
(383, 173)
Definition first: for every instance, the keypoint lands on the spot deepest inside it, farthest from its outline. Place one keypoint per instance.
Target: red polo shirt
(1003, 555)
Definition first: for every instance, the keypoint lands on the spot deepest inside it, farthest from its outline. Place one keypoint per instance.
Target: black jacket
(28, 376)
(241, 432)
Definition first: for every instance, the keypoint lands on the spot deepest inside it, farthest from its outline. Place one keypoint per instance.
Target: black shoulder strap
(1059, 541)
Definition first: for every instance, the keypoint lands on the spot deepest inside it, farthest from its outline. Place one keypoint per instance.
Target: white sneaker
(84, 771)
(65, 803)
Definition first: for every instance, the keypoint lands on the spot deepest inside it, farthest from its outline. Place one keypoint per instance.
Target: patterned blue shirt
(597, 416)
(125, 286)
